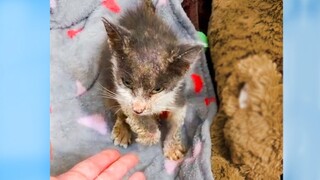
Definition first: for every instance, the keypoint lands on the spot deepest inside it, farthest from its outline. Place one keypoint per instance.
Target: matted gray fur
(80, 126)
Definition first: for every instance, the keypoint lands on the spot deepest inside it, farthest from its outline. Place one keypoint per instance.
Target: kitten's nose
(138, 108)
(138, 111)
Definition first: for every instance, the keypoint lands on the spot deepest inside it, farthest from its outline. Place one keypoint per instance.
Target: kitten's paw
(174, 151)
(149, 138)
(121, 136)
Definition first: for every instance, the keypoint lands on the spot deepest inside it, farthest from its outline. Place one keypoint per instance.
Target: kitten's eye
(126, 82)
(157, 90)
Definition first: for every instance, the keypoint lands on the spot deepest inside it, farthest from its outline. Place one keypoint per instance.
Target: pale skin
(106, 165)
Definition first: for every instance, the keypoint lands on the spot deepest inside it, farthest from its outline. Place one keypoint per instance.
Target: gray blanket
(80, 125)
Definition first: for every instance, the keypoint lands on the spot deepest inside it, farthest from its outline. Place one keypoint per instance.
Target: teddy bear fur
(245, 38)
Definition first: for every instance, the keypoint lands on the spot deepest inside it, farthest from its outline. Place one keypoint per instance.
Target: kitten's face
(148, 72)
(145, 101)
(146, 86)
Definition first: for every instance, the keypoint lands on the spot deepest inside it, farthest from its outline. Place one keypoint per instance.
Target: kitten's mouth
(141, 113)
(138, 112)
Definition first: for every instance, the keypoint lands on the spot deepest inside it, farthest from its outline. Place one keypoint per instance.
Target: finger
(93, 166)
(119, 168)
(137, 176)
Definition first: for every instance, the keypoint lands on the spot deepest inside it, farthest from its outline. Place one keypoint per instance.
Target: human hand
(107, 165)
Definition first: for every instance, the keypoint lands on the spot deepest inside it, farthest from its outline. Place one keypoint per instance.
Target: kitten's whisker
(108, 97)
(108, 91)
(106, 94)
(113, 107)
(166, 107)
(160, 98)
(117, 111)
(104, 89)
(101, 86)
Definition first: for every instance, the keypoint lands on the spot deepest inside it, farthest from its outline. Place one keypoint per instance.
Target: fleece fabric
(80, 125)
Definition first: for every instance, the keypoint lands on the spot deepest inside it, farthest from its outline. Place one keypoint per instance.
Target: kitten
(142, 75)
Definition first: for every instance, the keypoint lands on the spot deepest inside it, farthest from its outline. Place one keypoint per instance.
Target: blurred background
(302, 89)
(24, 89)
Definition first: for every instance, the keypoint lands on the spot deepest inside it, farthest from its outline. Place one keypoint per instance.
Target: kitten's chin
(143, 114)
(147, 113)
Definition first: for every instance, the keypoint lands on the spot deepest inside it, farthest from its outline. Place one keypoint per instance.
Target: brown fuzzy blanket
(245, 39)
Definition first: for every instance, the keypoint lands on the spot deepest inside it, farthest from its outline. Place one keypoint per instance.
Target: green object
(203, 38)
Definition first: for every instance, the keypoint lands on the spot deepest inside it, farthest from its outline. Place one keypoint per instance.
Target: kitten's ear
(118, 36)
(149, 6)
(183, 57)
(189, 52)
